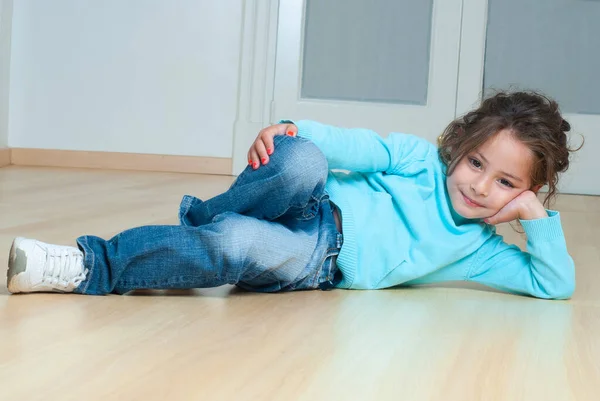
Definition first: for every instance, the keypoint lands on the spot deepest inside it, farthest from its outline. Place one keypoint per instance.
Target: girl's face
(488, 178)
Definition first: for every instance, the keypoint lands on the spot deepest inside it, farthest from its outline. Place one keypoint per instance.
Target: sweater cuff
(545, 229)
(304, 130)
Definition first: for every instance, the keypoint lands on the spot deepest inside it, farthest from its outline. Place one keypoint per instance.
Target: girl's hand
(263, 147)
(526, 206)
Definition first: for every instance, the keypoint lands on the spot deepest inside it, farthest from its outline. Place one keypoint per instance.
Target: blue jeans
(273, 230)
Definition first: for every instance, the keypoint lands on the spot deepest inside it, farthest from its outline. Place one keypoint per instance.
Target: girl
(406, 213)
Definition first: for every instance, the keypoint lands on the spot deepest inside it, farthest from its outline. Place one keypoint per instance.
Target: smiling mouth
(470, 201)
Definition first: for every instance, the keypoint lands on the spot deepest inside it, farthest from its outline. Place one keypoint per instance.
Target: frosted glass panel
(372, 51)
(549, 45)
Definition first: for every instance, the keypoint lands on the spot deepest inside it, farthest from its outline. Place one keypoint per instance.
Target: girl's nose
(480, 188)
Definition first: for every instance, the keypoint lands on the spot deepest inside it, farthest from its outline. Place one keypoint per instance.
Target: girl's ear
(536, 188)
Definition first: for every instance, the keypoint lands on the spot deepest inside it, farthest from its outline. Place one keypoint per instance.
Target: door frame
(6, 12)
(469, 89)
(256, 76)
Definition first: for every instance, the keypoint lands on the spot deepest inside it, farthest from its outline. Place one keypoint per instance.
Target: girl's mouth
(470, 201)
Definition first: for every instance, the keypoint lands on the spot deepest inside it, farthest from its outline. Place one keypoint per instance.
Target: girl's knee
(300, 159)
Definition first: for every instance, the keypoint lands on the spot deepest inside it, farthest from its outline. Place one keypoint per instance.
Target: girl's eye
(506, 183)
(474, 162)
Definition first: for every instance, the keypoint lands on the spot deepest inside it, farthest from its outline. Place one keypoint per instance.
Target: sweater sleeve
(363, 150)
(546, 270)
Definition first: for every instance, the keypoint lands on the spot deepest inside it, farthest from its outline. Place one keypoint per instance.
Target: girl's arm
(364, 150)
(546, 270)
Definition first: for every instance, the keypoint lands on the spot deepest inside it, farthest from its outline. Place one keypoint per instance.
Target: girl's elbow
(561, 290)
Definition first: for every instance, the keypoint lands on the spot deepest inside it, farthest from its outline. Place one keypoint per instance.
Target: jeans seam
(328, 254)
(303, 207)
(170, 280)
(187, 204)
(314, 210)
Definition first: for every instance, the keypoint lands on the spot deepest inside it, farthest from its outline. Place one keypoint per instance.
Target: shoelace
(64, 267)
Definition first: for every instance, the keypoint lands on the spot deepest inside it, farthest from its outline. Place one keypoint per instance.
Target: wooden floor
(431, 343)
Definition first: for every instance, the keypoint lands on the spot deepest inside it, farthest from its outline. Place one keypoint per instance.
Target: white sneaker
(34, 266)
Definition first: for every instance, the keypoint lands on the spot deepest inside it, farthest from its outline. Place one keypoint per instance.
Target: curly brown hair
(533, 118)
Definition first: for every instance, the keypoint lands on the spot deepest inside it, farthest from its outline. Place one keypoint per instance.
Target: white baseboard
(117, 161)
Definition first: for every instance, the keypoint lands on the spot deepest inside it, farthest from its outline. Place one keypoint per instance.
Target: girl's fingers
(264, 145)
(253, 160)
(291, 130)
(268, 144)
(261, 151)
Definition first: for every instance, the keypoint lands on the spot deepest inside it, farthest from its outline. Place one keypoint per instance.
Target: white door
(547, 45)
(387, 65)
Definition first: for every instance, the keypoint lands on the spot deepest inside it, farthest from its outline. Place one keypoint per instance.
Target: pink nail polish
(255, 165)
(269, 151)
(263, 160)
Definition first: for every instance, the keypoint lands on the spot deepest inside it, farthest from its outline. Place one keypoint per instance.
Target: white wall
(143, 76)
(5, 30)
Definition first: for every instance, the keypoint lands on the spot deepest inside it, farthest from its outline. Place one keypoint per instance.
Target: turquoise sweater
(400, 228)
